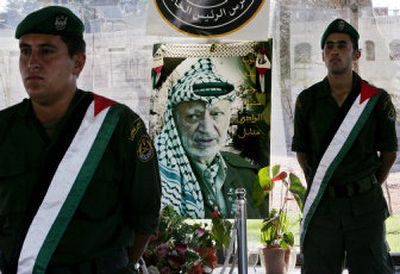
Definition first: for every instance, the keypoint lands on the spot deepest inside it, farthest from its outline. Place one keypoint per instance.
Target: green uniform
(123, 196)
(239, 174)
(351, 221)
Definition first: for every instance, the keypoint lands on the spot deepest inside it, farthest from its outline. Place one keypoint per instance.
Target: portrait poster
(210, 120)
(235, 19)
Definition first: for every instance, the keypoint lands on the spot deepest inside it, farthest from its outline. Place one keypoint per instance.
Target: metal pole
(241, 218)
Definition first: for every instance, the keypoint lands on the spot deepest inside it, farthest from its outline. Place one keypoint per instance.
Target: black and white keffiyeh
(180, 188)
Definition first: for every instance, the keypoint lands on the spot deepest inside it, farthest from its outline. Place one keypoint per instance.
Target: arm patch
(145, 149)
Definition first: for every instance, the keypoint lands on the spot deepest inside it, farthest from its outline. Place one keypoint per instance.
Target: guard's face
(338, 53)
(47, 70)
(202, 129)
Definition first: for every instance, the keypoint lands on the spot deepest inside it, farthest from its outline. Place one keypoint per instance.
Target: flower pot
(276, 260)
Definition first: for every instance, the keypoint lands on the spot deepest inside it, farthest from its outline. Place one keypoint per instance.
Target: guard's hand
(131, 268)
(127, 270)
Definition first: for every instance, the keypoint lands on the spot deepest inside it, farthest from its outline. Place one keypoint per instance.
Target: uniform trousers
(351, 230)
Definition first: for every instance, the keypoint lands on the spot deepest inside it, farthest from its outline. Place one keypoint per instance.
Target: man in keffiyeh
(197, 177)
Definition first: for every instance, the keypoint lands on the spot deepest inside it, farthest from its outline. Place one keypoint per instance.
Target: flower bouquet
(183, 246)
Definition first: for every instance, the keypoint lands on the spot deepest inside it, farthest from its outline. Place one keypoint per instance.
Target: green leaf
(263, 177)
(287, 240)
(221, 232)
(258, 194)
(275, 170)
(297, 189)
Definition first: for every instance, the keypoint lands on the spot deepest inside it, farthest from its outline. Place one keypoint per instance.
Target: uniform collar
(26, 108)
(326, 91)
(218, 164)
(27, 111)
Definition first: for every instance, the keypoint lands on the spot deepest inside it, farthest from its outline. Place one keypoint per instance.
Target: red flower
(215, 214)
(267, 187)
(279, 177)
(181, 248)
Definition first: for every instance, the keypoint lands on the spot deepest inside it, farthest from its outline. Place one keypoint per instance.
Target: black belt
(108, 264)
(352, 188)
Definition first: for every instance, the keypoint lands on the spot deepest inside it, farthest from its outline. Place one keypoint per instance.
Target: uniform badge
(60, 23)
(145, 150)
(341, 25)
(392, 114)
(135, 129)
(390, 110)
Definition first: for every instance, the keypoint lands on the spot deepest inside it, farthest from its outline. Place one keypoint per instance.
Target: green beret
(56, 20)
(340, 25)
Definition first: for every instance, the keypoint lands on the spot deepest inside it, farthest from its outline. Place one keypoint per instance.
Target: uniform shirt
(239, 174)
(122, 197)
(316, 110)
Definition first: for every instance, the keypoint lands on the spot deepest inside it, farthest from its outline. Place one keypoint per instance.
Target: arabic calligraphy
(208, 17)
(248, 124)
(247, 132)
(253, 118)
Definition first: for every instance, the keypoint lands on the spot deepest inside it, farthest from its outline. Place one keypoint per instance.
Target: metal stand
(242, 230)
(239, 232)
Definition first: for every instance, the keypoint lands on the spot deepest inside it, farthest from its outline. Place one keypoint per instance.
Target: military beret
(340, 25)
(56, 20)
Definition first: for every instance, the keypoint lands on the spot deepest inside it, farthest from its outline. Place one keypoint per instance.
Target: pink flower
(199, 232)
(181, 248)
(165, 270)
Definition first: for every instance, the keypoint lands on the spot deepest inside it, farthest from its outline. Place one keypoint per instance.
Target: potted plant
(278, 240)
(183, 246)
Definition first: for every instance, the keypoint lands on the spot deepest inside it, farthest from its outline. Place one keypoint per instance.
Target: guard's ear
(356, 55)
(79, 63)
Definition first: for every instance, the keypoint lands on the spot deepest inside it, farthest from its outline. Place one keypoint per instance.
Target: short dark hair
(354, 42)
(75, 44)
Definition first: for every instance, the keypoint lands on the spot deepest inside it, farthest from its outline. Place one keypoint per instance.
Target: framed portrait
(210, 120)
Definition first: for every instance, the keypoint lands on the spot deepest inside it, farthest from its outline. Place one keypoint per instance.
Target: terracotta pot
(276, 260)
